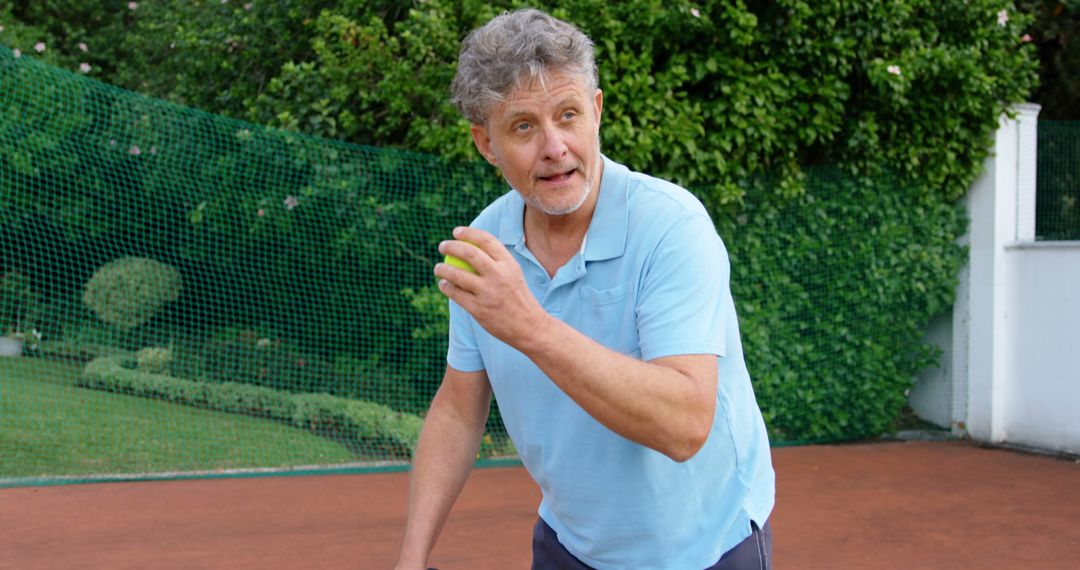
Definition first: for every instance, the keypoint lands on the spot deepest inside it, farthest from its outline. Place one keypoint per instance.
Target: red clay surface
(902, 505)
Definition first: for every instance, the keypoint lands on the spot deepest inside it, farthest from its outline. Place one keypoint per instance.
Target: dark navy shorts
(754, 552)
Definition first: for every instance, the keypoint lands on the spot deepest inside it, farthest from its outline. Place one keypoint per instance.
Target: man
(600, 315)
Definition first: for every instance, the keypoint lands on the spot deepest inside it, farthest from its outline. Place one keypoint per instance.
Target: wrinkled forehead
(533, 87)
(530, 88)
(538, 77)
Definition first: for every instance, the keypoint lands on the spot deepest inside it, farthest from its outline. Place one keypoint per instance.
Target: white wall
(932, 395)
(1042, 395)
(1010, 372)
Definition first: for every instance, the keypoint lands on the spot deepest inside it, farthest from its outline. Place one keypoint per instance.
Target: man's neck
(554, 240)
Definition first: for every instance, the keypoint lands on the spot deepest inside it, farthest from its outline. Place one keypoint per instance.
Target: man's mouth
(559, 176)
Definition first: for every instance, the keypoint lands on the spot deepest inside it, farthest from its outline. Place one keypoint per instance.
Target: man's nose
(554, 147)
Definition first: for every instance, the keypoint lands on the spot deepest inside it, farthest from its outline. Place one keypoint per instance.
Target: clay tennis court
(882, 505)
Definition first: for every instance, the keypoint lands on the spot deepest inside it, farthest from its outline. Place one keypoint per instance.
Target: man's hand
(496, 295)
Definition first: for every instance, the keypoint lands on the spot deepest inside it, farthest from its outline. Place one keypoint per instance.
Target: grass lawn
(49, 427)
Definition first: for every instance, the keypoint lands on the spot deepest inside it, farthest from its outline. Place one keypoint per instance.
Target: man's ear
(483, 142)
(598, 104)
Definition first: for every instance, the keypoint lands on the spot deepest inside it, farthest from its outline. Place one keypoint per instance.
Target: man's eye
(569, 115)
(521, 127)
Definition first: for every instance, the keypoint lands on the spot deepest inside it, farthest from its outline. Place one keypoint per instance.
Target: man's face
(546, 141)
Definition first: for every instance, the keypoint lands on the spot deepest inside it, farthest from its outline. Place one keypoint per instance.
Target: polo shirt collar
(606, 238)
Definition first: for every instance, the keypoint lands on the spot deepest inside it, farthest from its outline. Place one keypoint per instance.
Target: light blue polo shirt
(651, 281)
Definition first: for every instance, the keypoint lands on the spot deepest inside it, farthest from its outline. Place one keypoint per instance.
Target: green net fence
(185, 294)
(1057, 199)
(201, 294)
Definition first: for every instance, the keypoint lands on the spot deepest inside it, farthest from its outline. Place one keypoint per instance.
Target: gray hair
(512, 50)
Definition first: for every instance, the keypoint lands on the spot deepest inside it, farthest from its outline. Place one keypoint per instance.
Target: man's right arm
(444, 457)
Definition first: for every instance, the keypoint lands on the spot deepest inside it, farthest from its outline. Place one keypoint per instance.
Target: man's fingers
(457, 277)
(457, 294)
(472, 250)
(448, 289)
(458, 251)
(463, 265)
(483, 240)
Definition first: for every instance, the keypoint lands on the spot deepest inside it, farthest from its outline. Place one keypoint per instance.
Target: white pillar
(1027, 147)
(1001, 207)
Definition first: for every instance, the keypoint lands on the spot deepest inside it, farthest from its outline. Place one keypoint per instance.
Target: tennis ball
(460, 263)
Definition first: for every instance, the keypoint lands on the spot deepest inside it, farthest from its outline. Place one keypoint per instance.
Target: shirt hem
(679, 350)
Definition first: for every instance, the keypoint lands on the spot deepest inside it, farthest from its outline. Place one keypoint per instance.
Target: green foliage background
(705, 93)
(831, 140)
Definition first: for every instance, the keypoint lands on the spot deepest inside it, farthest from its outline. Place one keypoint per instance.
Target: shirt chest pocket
(608, 317)
(599, 297)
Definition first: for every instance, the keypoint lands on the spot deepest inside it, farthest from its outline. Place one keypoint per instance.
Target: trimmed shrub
(129, 291)
(154, 359)
(368, 427)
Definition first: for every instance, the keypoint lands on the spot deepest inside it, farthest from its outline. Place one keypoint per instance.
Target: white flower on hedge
(84, 67)
(1003, 17)
(1, 28)
(135, 150)
(263, 343)
(893, 69)
(291, 202)
(82, 47)
(695, 12)
(133, 5)
(16, 52)
(39, 47)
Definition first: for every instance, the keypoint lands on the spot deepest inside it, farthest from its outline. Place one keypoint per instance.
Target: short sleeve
(463, 352)
(682, 306)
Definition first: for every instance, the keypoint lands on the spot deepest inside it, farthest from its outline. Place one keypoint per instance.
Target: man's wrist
(412, 558)
(538, 333)
(410, 564)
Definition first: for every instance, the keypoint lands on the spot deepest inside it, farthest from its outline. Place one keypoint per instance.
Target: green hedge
(834, 291)
(368, 427)
(705, 93)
